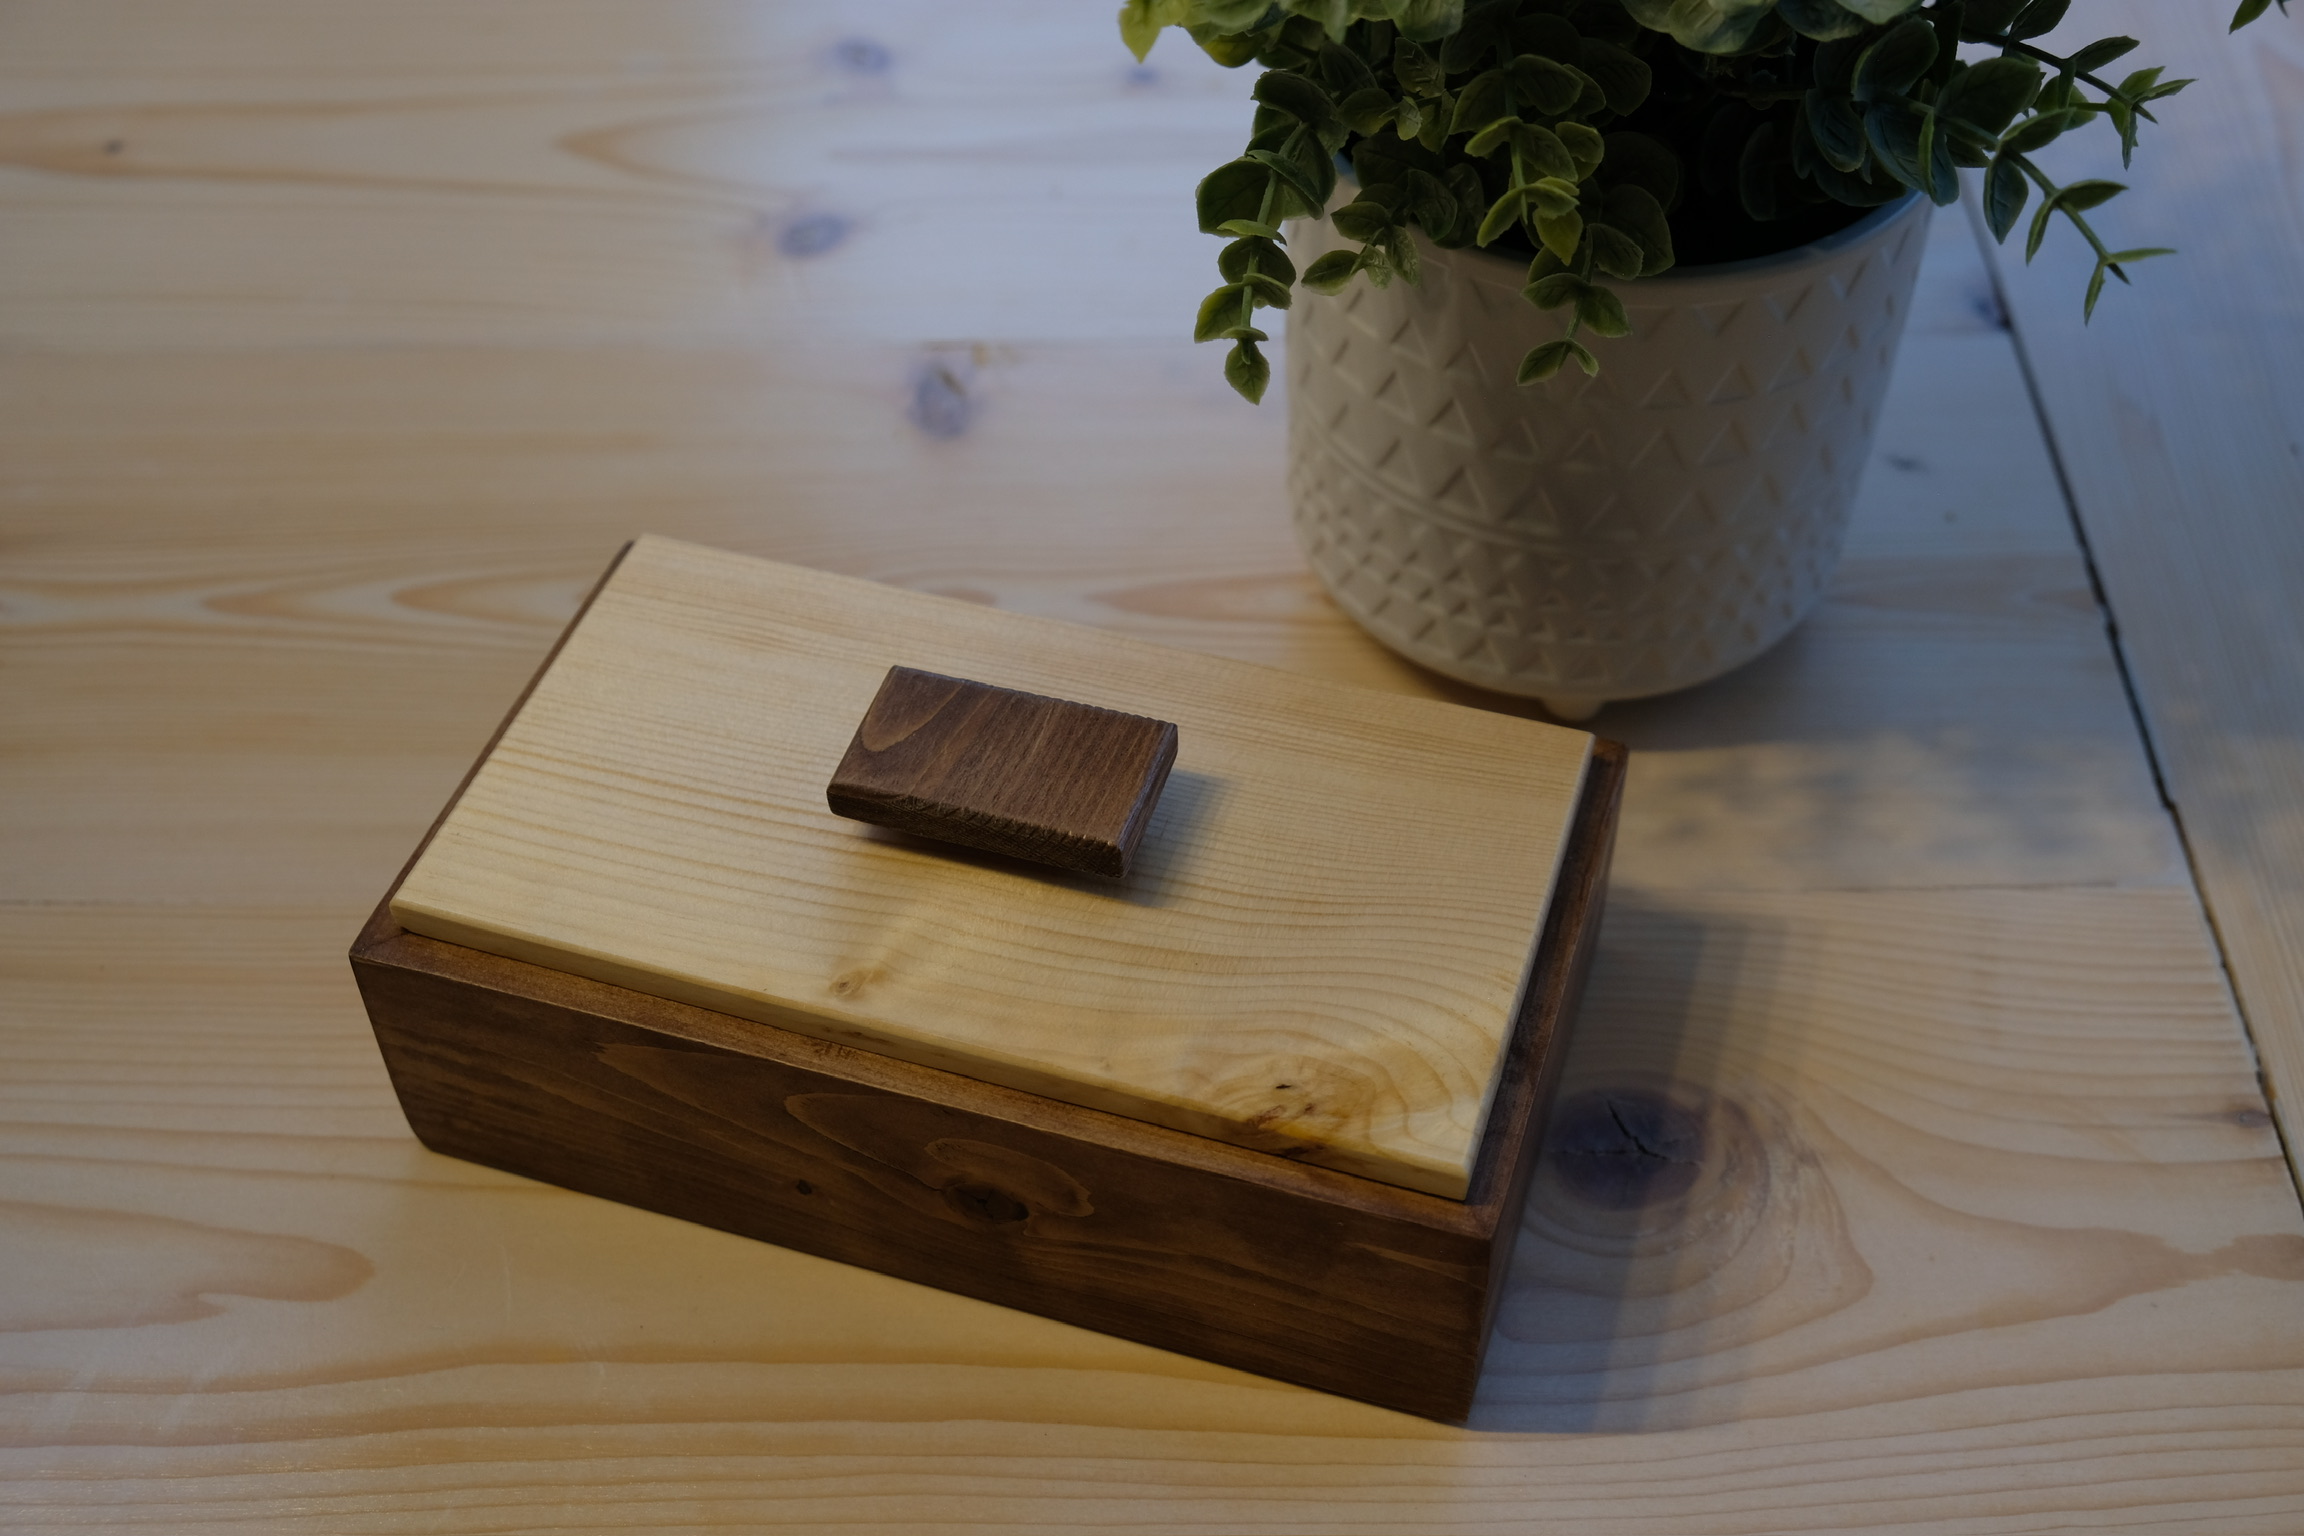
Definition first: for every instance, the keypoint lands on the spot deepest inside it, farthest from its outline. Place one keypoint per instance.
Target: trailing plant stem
(2048, 189)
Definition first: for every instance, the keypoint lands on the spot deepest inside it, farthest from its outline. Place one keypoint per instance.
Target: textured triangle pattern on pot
(1610, 537)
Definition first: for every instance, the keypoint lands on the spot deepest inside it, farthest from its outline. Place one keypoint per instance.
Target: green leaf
(1464, 185)
(2061, 92)
(2248, 12)
(1430, 201)
(1331, 272)
(1638, 160)
(1231, 192)
(1868, 189)
(1879, 12)
(1601, 312)
(1368, 110)
(1139, 27)
(2038, 131)
(2038, 17)
(1836, 129)
(1268, 291)
(1315, 22)
(1296, 96)
(2039, 230)
(1943, 172)
(1269, 129)
(1824, 20)
(1549, 86)
(1621, 73)
(1544, 152)
(1989, 18)
(1231, 15)
(1800, 143)
(1400, 246)
(1361, 220)
(1894, 133)
(1990, 94)
(1756, 171)
(1561, 233)
(1558, 289)
(2081, 196)
(1489, 139)
(1552, 197)
(1416, 70)
(1344, 72)
(1221, 314)
(1462, 51)
(1549, 358)
(1584, 145)
(1835, 66)
(1502, 215)
(1616, 253)
(1230, 49)
(1247, 371)
(1299, 176)
(1636, 212)
(2074, 200)
(1246, 227)
(1390, 194)
(2124, 123)
(2145, 85)
(1255, 255)
(1408, 118)
(1894, 64)
(2005, 189)
(1591, 101)
(1480, 103)
(2098, 54)
(1425, 21)
(1435, 130)
(1968, 151)
(1707, 26)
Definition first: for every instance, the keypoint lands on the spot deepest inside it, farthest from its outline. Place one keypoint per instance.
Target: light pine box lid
(1320, 951)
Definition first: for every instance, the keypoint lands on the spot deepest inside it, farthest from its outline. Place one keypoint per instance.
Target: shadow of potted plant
(1730, 194)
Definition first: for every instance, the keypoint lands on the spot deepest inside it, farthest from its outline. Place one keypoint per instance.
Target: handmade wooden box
(1272, 1101)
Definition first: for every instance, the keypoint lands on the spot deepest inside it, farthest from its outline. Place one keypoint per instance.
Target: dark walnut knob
(1015, 773)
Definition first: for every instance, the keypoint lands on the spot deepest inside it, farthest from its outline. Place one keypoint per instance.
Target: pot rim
(1780, 263)
(1818, 250)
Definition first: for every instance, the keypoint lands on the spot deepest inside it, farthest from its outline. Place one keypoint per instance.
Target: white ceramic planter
(1586, 540)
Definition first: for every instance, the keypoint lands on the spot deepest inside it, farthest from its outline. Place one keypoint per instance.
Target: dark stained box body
(1242, 1257)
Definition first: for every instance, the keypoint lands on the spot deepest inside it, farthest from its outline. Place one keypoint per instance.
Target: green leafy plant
(1605, 139)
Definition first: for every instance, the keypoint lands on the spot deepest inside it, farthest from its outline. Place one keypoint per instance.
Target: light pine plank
(713, 170)
(2178, 414)
(327, 393)
(356, 559)
(1972, 1223)
(1320, 949)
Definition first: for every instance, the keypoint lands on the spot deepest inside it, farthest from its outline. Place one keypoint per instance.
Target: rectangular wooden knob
(1014, 773)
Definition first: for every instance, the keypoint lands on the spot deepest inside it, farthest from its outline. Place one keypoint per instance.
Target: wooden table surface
(341, 345)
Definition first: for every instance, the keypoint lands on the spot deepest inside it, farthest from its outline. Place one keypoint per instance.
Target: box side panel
(1531, 1075)
(1382, 1308)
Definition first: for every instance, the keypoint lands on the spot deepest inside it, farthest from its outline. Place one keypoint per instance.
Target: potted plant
(1729, 194)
